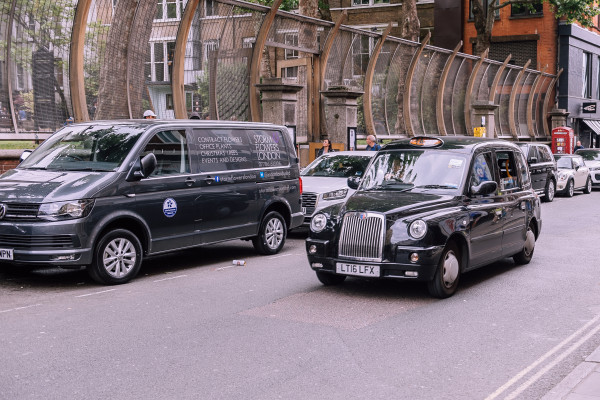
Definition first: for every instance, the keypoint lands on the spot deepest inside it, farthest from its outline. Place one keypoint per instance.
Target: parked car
(429, 209)
(542, 168)
(106, 194)
(591, 158)
(325, 180)
(573, 174)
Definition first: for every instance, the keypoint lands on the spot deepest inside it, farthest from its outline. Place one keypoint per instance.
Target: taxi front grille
(362, 236)
(38, 241)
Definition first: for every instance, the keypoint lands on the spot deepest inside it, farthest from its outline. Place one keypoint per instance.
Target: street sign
(479, 131)
(589, 108)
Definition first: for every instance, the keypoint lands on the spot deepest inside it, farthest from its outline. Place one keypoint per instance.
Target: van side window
(507, 166)
(170, 149)
(268, 148)
(216, 149)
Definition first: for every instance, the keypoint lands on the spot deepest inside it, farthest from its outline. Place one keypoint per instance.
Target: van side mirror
(24, 155)
(142, 168)
(484, 188)
(353, 182)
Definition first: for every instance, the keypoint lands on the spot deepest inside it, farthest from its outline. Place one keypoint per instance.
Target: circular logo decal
(169, 207)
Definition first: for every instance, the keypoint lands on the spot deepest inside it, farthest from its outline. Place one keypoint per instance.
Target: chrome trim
(362, 236)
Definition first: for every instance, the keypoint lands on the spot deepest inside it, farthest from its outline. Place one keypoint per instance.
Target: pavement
(583, 383)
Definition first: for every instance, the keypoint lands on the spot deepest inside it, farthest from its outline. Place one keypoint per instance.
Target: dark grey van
(106, 194)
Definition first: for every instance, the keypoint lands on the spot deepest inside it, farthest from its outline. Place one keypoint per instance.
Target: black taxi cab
(429, 209)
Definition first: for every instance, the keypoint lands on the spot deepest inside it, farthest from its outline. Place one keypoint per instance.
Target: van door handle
(209, 180)
(189, 181)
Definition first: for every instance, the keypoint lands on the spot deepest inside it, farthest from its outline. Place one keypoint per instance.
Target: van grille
(21, 212)
(36, 241)
(362, 236)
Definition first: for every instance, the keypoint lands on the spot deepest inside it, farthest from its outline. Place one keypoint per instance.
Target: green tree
(581, 11)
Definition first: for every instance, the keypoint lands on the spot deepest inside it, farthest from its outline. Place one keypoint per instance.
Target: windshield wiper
(435, 187)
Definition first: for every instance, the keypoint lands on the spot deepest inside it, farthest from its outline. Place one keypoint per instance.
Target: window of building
(598, 81)
(169, 9)
(248, 42)
(20, 77)
(159, 64)
(291, 39)
(587, 76)
(208, 46)
(526, 10)
(496, 12)
(210, 8)
(369, 2)
(361, 50)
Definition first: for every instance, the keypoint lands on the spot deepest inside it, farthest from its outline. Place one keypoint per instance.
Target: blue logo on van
(262, 174)
(169, 207)
(217, 179)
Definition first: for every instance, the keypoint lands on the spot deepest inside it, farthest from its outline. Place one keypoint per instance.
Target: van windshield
(97, 147)
(414, 170)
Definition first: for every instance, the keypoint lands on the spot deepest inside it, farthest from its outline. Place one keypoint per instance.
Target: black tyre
(447, 275)
(117, 258)
(588, 186)
(271, 234)
(330, 279)
(570, 188)
(550, 191)
(524, 256)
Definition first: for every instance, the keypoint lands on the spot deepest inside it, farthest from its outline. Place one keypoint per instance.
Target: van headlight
(62, 210)
(417, 229)
(335, 195)
(318, 223)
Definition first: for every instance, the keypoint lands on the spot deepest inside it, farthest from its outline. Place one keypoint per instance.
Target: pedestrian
(578, 146)
(149, 114)
(326, 148)
(194, 115)
(69, 121)
(372, 143)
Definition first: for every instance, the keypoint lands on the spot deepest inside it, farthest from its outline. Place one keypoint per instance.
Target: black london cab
(429, 209)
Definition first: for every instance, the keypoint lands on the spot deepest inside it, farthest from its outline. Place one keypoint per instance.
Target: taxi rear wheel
(271, 234)
(117, 258)
(525, 255)
(588, 186)
(330, 279)
(447, 275)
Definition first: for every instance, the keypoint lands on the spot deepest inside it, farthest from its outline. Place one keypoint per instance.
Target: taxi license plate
(6, 254)
(357, 269)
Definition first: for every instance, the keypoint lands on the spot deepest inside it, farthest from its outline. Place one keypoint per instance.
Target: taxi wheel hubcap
(529, 243)
(450, 269)
(119, 257)
(274, 233)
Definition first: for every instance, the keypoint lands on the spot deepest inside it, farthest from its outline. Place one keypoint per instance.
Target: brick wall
(507, 29)
(9, 159)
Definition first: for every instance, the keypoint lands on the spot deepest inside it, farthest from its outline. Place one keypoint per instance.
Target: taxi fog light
(412, 274)
(317, 265)
(312, 249)
(414, 257)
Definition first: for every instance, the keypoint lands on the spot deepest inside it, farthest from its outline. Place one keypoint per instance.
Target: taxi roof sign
(424, 141)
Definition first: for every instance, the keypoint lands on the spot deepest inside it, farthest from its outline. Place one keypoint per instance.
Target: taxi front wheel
(445, 280)
(117, 258)
(271, 234)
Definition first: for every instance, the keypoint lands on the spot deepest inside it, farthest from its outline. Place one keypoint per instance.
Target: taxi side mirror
(484, 188)
(353, 182)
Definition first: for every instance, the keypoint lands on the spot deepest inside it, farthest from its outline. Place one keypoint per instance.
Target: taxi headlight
(62, 210)
(318, 223)
(335, 195)
(417, 229)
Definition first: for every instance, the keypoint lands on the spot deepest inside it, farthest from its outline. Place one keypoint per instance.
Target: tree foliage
(581, 11)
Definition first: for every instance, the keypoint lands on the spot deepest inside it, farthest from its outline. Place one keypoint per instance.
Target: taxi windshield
(416, 170)
(99, 147)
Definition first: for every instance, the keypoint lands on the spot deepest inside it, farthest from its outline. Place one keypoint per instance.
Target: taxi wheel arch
(447, 274)
(524, 256)
(117, 257)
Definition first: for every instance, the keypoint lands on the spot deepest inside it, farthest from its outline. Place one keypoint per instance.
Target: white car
(572, 174)
(325, 180)
(591, 158)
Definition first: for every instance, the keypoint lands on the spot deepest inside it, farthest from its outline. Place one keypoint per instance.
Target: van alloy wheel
(271, 234)
(117, 257)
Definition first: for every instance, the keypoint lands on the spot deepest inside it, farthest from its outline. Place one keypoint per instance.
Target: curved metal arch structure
(195, 58)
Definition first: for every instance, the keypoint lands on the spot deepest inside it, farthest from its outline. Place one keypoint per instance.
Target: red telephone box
(563, 140)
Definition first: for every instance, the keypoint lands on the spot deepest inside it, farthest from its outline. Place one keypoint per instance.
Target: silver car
(573, 174)
(324, 181)
(591, 158)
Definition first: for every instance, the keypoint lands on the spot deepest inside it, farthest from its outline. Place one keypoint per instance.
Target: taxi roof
(456, 143)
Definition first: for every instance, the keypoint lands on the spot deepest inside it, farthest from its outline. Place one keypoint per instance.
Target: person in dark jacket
(326, 148)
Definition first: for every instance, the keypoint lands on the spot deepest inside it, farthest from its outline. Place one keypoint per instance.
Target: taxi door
(485, 213)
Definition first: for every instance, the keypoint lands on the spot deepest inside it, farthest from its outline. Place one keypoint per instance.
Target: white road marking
(231, 266)
(19, 308)
(543, 358)
(95, 293)
(168, 279)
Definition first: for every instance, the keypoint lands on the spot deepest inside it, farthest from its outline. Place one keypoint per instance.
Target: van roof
(191, 122)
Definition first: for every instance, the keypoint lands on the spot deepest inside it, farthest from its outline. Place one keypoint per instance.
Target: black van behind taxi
(429, 209)
(106, 194)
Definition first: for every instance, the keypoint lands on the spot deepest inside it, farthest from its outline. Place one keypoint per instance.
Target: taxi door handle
(189, 181)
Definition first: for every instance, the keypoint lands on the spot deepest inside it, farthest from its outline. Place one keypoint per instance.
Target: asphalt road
(193, 326)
